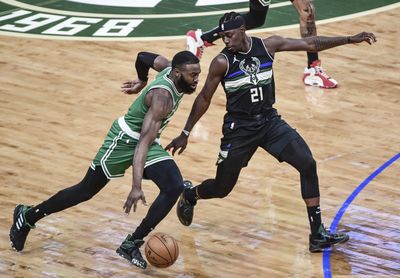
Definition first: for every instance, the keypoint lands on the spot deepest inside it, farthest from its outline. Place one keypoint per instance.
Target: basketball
(161, 250)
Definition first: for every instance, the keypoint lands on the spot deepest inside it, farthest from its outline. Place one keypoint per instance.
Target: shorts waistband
(269, 114)
(125, 128)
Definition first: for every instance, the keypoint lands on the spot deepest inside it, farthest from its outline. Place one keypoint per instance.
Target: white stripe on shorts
(108, 153)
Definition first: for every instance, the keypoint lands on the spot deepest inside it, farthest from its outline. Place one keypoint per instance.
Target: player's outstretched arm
(316, 43)
(216, 72)
(144, 61)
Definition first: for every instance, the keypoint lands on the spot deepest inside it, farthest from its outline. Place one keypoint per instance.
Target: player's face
(189, 78)
(233, 39)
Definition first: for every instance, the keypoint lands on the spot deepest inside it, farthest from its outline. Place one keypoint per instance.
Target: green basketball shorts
(116, 153)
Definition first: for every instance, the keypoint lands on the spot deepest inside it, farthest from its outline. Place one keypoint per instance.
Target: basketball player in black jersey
(244, 69)
(314, 74)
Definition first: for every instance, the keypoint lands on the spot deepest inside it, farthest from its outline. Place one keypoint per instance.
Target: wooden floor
(58, 99)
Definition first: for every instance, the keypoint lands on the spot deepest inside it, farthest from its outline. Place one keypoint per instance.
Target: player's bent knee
(308, 167)
(173, 189)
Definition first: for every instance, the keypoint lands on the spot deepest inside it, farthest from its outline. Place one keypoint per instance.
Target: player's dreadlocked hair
(231, 20)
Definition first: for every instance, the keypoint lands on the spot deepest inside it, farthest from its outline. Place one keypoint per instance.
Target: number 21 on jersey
(256, 94)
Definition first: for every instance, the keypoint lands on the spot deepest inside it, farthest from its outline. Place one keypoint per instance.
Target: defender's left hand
(363, 37)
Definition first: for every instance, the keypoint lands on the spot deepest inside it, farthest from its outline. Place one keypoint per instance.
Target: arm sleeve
(144, 61)
(257, 14)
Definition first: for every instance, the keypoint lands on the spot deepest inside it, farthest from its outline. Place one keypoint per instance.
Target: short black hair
(184, 58)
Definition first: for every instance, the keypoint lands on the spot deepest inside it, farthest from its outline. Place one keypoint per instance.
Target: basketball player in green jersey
(244, 69)
(133, 140)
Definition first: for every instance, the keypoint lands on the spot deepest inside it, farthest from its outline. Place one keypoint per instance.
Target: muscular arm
(160, 105)
(314, 44)
(159, 102)
(257, 14)
(216, 72)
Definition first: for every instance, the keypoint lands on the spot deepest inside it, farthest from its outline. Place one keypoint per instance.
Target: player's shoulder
(164, 71)
(272, 40)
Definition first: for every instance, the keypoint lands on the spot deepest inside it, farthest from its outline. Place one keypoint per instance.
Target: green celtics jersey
(135, 115)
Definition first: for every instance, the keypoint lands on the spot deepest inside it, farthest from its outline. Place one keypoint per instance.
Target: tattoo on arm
(309, 30)
(322, 43)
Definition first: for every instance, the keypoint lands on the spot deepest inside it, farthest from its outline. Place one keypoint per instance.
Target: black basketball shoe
(20, 228)
(325, 239)
(184, 209)
(129, 249)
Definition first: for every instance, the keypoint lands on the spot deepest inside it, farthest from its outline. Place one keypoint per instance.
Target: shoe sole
(322, 87)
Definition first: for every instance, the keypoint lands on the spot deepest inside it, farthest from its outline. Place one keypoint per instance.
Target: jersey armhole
(266, 49)
(227, 63)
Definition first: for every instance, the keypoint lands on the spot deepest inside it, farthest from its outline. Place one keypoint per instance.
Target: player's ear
(176, 72)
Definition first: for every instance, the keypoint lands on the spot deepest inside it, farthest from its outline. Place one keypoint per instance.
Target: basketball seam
(158, 254)
(169, 253)
(176, 249)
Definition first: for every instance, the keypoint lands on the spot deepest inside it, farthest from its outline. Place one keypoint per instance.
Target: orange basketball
(161, 250)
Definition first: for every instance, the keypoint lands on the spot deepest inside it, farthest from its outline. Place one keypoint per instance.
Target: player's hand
(134, 196)
(363, 37)
(133, 87)
(179, 143)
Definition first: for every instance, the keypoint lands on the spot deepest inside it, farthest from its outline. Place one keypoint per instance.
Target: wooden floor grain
(58, 99)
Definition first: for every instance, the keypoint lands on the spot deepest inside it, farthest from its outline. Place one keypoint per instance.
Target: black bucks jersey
(249, 82)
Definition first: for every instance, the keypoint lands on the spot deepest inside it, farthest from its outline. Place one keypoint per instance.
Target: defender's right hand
(179, 142)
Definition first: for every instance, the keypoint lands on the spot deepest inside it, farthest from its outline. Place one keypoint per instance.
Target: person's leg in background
(196, 40)
(314, 74)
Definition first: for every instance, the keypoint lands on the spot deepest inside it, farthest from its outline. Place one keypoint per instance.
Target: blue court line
(326, 263)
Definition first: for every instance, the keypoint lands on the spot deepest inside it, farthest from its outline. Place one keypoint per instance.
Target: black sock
(33, 215)
(311, 56)
(92, 183)
(314, 216)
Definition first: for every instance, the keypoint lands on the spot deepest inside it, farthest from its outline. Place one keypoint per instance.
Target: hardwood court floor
(58, 99)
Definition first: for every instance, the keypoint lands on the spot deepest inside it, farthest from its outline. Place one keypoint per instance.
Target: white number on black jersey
(256, 94)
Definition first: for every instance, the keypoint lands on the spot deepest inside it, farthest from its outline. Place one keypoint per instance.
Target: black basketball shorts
(243, 136)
